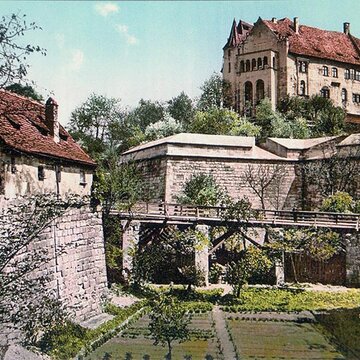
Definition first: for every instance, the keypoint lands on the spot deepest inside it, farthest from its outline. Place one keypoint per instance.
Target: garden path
(222, 334)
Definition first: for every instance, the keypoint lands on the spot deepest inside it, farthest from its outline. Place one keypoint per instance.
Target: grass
(290, 300)
(135, 343)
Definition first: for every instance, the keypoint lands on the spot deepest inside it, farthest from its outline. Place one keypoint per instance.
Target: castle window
(260, 90)
(302, 88)
(325, 71)
(357, 75)
(325, 92)
(343, 95)
(229, 67)
(12, 165)
(356, 98)
(274, 62)
(352, 74)
(334, 72)
(248, 92)
(302, 66)
(242, 66)
(347, 74)
(265, 61)
(41, 173)
(229, 53)
(259, 63)
(253, 64)
(247, 65)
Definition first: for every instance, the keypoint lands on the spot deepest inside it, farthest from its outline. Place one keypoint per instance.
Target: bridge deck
(212, 215)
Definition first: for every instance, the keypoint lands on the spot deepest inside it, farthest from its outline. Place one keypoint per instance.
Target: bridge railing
(259, 215)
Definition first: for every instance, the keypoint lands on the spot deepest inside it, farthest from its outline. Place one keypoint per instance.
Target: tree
(266, 182)
(339, 202)
(162, 128)
(202, 189)
(252, 261)
(90, 123)
(168, 322)
(244, 127)
(181, 108)
(13, 53)
(25, 90)
(216, 93)
(26, 302)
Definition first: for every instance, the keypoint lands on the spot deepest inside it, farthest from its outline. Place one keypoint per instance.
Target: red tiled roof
(316, 42)
(22, 128)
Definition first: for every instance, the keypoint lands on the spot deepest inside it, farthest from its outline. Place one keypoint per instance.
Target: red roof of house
(22, 128)
(311, 41)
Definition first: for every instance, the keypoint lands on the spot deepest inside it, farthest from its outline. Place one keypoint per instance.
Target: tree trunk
(293, 267)
(168, 356)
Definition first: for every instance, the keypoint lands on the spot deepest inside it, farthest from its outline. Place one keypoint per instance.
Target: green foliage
(202, 189)
(215, 272)
(252, 299)
(244, 127)
(181, 109)
(66, 340)
(216, 121)
(253, 261)
(215, 93)
(118, 186)
(238, 210)
(25, 90)
(168, 322)
(339, 202)
(162, 128)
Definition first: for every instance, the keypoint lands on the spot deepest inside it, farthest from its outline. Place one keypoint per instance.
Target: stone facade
(277, 58)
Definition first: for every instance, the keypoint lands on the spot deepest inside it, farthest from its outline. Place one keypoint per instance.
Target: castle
(275, 58)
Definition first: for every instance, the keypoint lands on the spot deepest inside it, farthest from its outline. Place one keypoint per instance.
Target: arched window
(344, 95)
(265, 61)
(253, 64)
(248, 92)
(302, 88)
(325, 71)
(347, 74)
(247, 65)
(259, 63)
(242, 66)
(325, 92)
(260, 90)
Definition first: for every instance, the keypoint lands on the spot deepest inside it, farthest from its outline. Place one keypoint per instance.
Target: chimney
(346, 28)
(274, 20)
(51, 118)
(296, 25)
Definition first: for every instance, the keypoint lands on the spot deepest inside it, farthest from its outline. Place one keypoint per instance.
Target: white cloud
(124, 30)
(104, 9)
(77, 59)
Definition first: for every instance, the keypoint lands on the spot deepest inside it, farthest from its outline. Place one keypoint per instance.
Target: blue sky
(151, 50)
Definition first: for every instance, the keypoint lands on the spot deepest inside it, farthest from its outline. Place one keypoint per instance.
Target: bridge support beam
(280, 270)
(202, 254)
(130, 243)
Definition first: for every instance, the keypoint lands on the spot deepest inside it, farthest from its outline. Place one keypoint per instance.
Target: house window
(41, 173)
(82, 177)
(352, 74)
(12, 165)
(247, 65)
(229, 67)
(334, 72)
(357, 75)
(302, 88)
(344, 95)
(325, 71)
(253, 64)
(265, 61)
(356, 98)
(325, 92)
(347, 74)
(259, 63)
(302, 66)
(229, 53)
(260, 90)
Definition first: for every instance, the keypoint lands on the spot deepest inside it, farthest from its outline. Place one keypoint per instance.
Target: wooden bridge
(216, 216)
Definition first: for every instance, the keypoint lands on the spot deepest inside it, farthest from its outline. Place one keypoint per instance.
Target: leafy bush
(216, 270)
(339, 202)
